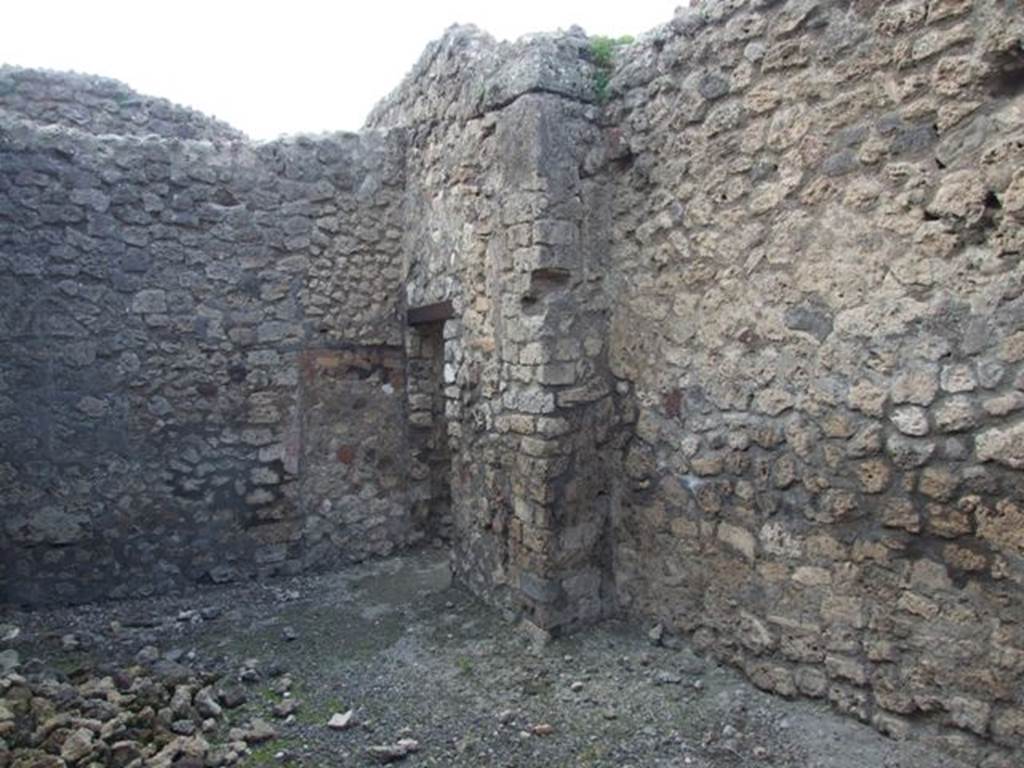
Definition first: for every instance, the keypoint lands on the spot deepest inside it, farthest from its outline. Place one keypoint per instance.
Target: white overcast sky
(279, 67)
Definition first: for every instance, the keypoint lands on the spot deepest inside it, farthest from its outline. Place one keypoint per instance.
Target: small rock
(259, 731)
(147, 654)
(285, 708)
(506, 716)
(183, 727)
(77, 745)
(656, 634)
(171, 672)
(689, 663)
(123, 753)
(274, 669)
(667, 678)
(289, 634)
(390, 753)
(232, 695)
(123, 680)
(542, 729)
(70, 642)
(9, 632)
(52, 724)
(576, 686)
(342, 721)
(538, 637)
(206, 705)
(282, 685)
(181, 702)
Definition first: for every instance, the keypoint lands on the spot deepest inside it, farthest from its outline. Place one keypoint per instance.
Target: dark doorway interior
(431, 469)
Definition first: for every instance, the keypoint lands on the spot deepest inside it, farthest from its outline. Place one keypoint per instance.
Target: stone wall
(724, 332)
(499, 207)
(817, 265)
(100, 105)
(192, 334)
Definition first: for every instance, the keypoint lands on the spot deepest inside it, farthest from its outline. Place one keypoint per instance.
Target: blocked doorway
(428, 424)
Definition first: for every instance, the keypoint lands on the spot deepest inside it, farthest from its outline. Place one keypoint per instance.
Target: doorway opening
(428, 424)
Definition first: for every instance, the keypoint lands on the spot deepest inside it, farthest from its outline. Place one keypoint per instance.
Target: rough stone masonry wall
(100, 105)
(740, 349)
(819, 226)
(200, 358)
(500, 202)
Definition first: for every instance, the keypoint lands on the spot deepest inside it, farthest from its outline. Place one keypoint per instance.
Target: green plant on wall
(602, 55)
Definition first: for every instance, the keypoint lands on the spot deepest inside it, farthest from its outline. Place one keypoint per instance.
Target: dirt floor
(414, 658)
